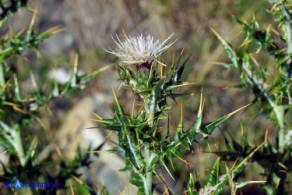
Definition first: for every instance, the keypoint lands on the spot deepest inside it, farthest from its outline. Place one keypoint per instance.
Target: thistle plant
(271, 85)
(30, 161)
(148, 145)
(145, 144)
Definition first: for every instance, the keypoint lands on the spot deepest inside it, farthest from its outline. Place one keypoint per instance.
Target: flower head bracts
(141, 49)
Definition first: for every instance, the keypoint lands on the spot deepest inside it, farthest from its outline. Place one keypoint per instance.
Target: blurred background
(88, 29)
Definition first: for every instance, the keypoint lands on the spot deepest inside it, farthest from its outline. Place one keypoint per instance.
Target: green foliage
(149, 146)
(19, 109)
(273, 93)
(146, 149)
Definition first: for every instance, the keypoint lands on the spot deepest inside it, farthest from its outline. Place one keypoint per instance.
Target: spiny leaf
(239, 168)
(169, 88)
(244, 183)
(198, 121)
(214, 174)
(122, 72)
(177, 74)
(119, 108)
(166, 168)
(232, 54)
(84, 79)
(180, 125)
(111, 124)
(211, 126)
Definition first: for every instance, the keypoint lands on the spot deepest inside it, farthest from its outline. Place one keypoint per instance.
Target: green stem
(151, 108)
(148, 179)
(277, 109)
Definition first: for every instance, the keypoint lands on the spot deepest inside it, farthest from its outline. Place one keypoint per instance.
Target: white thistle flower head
(140, 50)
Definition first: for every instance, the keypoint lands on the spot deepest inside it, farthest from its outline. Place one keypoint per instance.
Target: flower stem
(148, 179)
(151, 108)
(279, 113)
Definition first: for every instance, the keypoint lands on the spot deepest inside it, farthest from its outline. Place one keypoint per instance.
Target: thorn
(237, 34)
(184, 84)
(216, 146)
(215, 33)
(133, 108)
(230, 179)
(59, 153)
(172, 59)
(108, 136)
(97, 116)
(266, 137)
(55, 30)
(77, 179)
(41, 123)
(245, 42)
(283, 166)
(34, 84)
(115, 96)
(3, 152)
(234, 164)
(218, 63)
(38, 53)
(168, 172)
(202, 102)
(34, 145)
(230, 114)
(119, 87)
(275, 31)
(184, 161)
(75, 64)
(253, 17)
(241, 129)
(161, 178)
(209, 147)
(255, 61)
(71, 187)
(33, 19)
